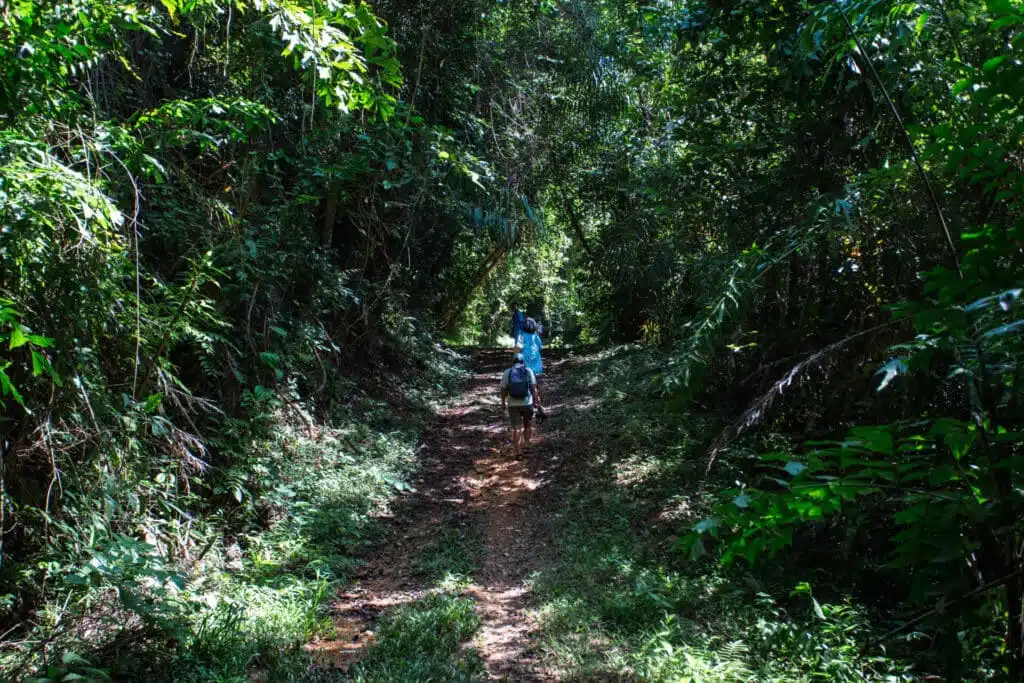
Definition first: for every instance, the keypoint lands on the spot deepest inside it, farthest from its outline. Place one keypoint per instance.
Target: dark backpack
(518, 381)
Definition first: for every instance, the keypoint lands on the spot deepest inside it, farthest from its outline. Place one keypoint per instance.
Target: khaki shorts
(520, 415)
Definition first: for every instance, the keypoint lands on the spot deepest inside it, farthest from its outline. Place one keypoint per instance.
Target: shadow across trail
(478, 513)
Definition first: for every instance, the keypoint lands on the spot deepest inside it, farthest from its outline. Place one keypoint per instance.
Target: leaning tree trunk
(452, 313)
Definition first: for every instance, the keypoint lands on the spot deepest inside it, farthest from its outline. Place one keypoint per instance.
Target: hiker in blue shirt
(517, 323)
(530, 345)
(518, 392)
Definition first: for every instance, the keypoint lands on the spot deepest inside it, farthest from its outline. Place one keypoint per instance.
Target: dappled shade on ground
(473, 526)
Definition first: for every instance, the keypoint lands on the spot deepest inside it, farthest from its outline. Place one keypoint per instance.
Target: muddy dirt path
(469, 480)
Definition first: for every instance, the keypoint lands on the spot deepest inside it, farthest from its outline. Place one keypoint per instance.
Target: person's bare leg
(527, 433)
(516, 448)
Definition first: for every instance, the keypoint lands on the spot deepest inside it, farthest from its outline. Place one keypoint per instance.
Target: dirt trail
(470, 479)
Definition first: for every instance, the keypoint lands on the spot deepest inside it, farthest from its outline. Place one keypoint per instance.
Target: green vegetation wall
(215, 213)
(815, 211)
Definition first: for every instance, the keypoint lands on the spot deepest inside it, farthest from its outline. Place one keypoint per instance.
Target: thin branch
(574, 223)
(55, 479)
(192, 57)
(3, 496)
(759, 408)
(419, 72)
(136, 197)
(227, 55)
(958, 50)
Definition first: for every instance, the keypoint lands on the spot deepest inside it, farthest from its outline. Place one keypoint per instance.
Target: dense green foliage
(621, 603)
(216, 220)
(230, 231)
(849, 176)
(816, 211)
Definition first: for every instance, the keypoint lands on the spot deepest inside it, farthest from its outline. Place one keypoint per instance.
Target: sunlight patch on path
(512, 503)
(468, 474)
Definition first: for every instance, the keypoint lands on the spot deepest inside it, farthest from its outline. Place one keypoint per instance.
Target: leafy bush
(621, 602)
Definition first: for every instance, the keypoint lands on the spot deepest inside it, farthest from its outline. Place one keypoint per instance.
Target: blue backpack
(518, 381)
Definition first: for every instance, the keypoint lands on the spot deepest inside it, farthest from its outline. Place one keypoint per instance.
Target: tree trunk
(574, 223)
(330, 213)
(451, 315)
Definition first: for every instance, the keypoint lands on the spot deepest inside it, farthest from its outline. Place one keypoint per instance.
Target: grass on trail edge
(617, 601)
(426, 641)
(452, 556)
(261, 592)
(422, 642)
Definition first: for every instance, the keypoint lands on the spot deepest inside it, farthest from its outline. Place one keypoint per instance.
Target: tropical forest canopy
(230, 226)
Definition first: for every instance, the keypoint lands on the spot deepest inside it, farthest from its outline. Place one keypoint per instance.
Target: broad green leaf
(70, 657)
(40, 341)
(890, 370)
(817, 609)
(961, 85)
(1000, 7)
(152, 402)
(171, 6)
(1004, 329)
(41, 364)
(7, 388)
(18, 337)
(922, 20)
(942, 474)
(1012, 20)
(706, 525)
(993, 63)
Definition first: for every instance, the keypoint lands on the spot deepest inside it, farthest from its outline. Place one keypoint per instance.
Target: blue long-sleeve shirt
(517, 323)
(531, 344)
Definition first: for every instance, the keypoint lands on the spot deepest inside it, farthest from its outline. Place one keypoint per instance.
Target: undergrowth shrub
(622, 601)
(230, 575)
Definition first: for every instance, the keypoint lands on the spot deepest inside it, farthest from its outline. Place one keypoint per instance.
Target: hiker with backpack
(530, 345)
(517, 323)
(519, 396)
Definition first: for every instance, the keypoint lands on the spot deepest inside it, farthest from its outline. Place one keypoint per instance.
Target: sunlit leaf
(1004, 329)
(890, 370)
(993, 63)
(794, 468)
(18, 337)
